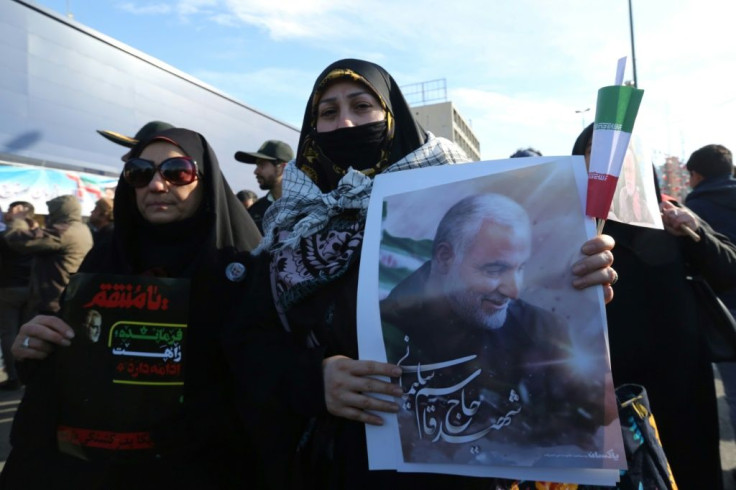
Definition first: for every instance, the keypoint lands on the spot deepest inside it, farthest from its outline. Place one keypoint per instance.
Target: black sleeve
(272, 368)
(713, 257)
(34, 425)
(278, 381)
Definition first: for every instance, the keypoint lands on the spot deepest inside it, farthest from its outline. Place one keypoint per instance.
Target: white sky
(516, 70)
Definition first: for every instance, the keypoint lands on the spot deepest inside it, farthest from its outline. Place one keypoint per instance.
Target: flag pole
(599, 227)
(689, 231)
(633, 51)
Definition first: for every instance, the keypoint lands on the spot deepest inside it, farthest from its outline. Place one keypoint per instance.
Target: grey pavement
(9, 401)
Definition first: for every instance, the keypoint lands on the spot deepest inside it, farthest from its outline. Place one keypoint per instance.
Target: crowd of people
(273, 393)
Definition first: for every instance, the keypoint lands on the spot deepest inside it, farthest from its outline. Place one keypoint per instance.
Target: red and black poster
(123, 375)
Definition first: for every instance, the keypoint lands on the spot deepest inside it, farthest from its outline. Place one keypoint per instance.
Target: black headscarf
(402, 133)
(581, 143)
(201, 247)
(220, 228)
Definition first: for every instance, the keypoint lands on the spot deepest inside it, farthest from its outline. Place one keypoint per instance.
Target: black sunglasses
(176, 171)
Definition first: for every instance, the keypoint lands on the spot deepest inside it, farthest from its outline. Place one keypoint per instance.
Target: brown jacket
(57, 251)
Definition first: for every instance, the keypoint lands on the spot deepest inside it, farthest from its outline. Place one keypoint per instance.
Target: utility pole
(582, 115)
(633, 50)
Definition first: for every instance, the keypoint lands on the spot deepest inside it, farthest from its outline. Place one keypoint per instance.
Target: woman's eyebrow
(350, 96)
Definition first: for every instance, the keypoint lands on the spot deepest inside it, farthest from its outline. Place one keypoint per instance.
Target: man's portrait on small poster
(93, 325)
(635, 199)
(504, 362)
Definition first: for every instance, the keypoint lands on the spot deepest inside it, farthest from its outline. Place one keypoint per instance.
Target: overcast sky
(521, 72)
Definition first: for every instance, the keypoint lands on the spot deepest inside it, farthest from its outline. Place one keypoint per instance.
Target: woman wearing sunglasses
(175, 217)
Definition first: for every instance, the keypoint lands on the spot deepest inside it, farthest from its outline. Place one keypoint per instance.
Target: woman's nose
(345, 121)
(157, 183)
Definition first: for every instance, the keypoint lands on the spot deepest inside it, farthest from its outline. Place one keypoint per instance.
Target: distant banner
(38, 185)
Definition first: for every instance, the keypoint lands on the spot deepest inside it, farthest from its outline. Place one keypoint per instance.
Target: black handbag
(645, 457)
(717, 324)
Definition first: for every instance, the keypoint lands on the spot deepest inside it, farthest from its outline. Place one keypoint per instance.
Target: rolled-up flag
(615, 114)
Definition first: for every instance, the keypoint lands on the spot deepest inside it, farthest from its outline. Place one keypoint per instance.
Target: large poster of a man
(504, 363)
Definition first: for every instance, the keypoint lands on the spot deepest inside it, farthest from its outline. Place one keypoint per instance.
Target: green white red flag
(615, 114)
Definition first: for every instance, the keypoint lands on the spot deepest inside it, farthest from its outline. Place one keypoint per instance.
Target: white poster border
(383, 441)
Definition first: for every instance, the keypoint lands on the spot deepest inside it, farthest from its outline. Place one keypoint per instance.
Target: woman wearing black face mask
(356, 125)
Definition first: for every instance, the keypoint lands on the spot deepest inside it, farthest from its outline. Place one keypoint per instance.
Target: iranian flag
(615, 114)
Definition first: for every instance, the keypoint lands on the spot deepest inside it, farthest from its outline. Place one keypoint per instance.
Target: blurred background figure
(15, 276)
(101, 220)
(148, 130)
(57, 249)
(713, 197)
(247, 197)
(526, 152)
(270, 160)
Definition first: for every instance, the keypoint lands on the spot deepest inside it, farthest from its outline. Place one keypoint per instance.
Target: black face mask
(358, 147)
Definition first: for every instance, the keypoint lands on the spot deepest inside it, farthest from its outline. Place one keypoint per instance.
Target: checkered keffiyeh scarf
(304, 210)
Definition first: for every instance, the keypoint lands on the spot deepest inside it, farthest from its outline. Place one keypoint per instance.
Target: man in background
(713, 197)
(101, 220)
(270, 160)
(247, 197)
(57, 251)
(526, 152)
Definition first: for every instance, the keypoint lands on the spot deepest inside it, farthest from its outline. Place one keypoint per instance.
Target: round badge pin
(235, 271)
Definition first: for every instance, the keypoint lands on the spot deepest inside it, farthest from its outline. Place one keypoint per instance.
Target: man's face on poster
(93, 325)
(629, 172)
(483, 279)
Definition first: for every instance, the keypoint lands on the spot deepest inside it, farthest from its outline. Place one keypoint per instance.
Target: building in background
(61, 81)
(674, 178)
(428, 101)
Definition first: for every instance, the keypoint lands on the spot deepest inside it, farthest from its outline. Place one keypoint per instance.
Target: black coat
(654, 339)
(714, 200)
(258, 209)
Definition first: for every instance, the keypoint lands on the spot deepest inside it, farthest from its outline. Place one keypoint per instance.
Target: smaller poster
(124, 372)
(615, 114)
(635, 198)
